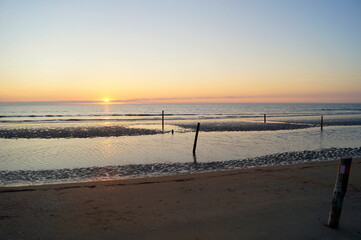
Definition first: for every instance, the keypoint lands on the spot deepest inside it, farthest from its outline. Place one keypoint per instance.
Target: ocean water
(44, 143)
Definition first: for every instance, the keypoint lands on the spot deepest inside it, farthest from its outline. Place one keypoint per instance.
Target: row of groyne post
(264, 120)
(198, 127)
(340, 188)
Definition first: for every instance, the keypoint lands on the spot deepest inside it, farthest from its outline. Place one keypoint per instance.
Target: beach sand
(281, 202)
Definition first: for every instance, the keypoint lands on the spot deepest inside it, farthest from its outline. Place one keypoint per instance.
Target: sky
(180, 51)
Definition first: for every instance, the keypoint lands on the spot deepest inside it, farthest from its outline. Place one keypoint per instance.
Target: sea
(60, 142)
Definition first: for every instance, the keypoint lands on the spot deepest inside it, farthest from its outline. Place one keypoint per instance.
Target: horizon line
(136, 103)
(222, 99)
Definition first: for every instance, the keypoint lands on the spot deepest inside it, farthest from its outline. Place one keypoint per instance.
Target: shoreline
(18, 178)
(277, 202)
(156, 179)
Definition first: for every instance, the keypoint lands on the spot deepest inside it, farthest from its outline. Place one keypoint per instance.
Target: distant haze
(180, 51)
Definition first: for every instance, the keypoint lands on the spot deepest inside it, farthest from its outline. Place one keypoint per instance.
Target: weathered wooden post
(339, 192)
(163, 121)
(321, 123)
(196, 139)
(264, 118)
(195, 159)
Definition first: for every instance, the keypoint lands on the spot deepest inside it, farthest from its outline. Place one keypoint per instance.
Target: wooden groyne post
(196, 139)
(195, 159)
(264, 118)
(339, 192)
(321, 123)
(163, 121)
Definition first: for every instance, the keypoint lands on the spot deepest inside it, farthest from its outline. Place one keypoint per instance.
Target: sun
(106, 100)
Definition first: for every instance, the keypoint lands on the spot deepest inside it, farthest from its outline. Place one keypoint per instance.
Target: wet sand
(280, 202)
(74, 132)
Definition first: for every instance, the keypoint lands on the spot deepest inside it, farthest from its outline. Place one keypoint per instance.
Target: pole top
(346, 161)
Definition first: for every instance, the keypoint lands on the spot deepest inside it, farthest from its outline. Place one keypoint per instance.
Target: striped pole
(339, 192)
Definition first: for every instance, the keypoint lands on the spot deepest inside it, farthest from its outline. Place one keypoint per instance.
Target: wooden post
(195, 159)
(321, 123)
(196, 139)
(264, 118)
(339, 192)
(163, 121)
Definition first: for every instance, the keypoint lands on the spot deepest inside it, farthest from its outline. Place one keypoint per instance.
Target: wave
(172, 117)
(341, 109)
(228, 115)
(98, 115)
(87, 120)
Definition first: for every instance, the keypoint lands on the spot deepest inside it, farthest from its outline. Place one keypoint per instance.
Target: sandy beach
(281, 202)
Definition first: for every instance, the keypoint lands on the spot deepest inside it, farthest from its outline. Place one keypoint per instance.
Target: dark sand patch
(75, 132)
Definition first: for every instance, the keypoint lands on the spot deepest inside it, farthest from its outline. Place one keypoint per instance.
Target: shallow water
(34, 149)
(40, 154)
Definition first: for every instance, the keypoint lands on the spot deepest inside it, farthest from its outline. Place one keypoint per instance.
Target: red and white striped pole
(339, 192)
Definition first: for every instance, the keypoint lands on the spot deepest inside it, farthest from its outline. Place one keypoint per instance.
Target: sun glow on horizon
(239, 51)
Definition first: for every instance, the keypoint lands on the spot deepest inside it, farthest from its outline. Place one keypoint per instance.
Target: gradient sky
(181, 51)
